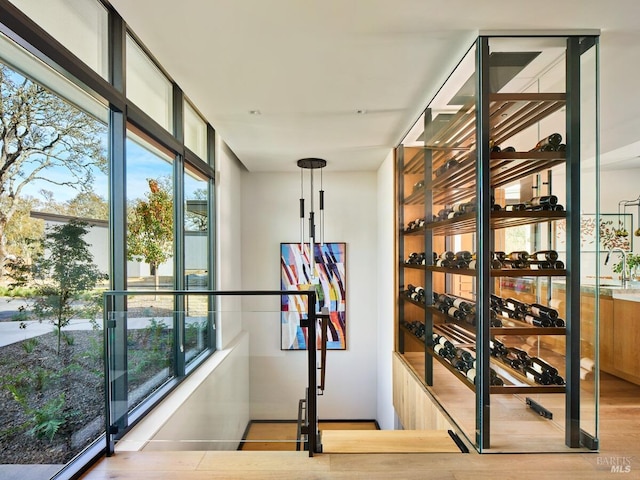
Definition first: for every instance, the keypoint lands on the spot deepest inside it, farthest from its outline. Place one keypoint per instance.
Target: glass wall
(53, 235)
(196, 229)
(147, 86)
(68, 165)
(80, 25)
(195, 131)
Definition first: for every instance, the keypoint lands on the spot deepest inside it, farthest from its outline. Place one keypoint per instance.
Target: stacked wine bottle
(450, 259)
(536, 204)
(413, 225)
(534, 368)
(540, 260)
(416, 293)
(461, 359)
(416, 328)
(534, 314)
(416, 258)
(455, 307)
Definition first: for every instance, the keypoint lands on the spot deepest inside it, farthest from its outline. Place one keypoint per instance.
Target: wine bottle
(463, 304)
(521, 354)
(464, 255)
(444, 263)
(508, 263)
(537, 321)
(518, 255)
(500, 256)
(544, 311)
(549, 200)
(448, 255)
(516, 305)
(455, 313)
(515, 207)
(497, 348)
(541, 366)
(446, 299)
(559, 322)
(496, 300)
(540, 264)
(536, 376)
(552, 140)
(446, 166)
(512, 360)
(471, 375)
(494, 379)
(509, 149)
(549, 255)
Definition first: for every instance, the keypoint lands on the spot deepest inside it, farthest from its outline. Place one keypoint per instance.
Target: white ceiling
(309, 65)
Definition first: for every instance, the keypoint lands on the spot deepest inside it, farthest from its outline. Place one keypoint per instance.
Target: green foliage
(49, 418)
(150, 227)
(633, 261)
(16, 292)
(68, 338)
(62, 277)
(30, 344)
(149, 350)
(40, 131)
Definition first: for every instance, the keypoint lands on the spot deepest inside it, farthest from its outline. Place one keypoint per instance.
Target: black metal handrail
(110, 298)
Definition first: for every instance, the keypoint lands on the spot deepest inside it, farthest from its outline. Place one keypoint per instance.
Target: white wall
(229, 240)
(270, 215)
(386, 292)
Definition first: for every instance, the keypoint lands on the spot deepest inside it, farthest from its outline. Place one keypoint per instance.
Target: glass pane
(53, 197)
(150, 340)
(195, 131)
(243, 409)
(80, 25)
(527, 107)
(149, 216)
(149, 89)
(197, 251)
(591, 262)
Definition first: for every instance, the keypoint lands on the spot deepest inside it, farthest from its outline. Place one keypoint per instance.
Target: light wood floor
(281, 436)
(619, 437)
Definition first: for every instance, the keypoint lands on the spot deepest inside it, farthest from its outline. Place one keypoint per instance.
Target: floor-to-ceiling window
(65, 165)
(53, 235)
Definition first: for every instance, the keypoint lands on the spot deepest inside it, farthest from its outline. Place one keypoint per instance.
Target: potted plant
(633, 262)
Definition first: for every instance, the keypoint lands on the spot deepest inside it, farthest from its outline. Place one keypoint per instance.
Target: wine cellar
(492, 314)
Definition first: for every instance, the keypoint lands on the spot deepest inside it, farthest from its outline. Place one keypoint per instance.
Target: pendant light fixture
(311, 164)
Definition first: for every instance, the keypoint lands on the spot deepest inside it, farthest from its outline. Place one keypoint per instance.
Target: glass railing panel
(249, 395)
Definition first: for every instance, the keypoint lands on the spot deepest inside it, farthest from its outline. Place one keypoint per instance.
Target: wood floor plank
(619, 439)
(387, 441)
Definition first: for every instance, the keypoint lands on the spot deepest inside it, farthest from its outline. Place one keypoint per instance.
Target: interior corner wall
(270, 215)
(228, 241)
(385, 292)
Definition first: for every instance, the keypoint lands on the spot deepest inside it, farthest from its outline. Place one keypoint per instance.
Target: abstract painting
(329, 281)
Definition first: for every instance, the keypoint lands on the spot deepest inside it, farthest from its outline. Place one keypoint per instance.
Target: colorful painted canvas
(329, 281)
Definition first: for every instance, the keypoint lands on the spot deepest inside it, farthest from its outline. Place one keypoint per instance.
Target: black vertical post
(428, 244)
(401, 252)
(116, 333)
(312, 410)
(483, 245)
(179, 283)
(572, 356)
